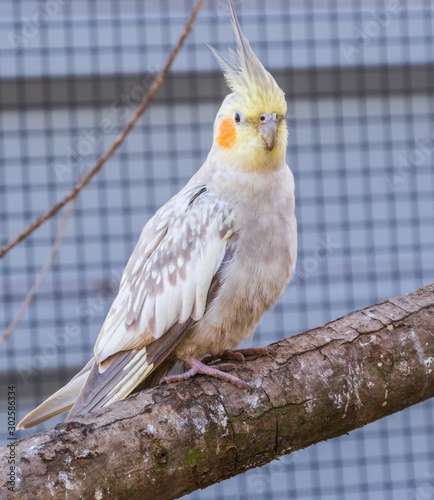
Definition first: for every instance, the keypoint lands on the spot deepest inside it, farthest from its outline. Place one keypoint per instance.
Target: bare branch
(175, 439)
(41, 277)
(88, 177)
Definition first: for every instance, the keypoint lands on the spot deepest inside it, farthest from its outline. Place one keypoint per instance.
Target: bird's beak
(268, 130)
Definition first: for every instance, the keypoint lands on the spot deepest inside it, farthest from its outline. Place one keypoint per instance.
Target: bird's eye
(237, 117)
(263, 118)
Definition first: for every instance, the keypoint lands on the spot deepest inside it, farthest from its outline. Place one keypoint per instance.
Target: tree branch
(175, 439)
(82, 183)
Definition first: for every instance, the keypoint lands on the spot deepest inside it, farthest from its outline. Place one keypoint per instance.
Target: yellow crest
(247, 77)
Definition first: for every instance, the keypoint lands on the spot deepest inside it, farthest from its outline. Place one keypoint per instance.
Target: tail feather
(123, 372)
(60, 402)
(115, 383)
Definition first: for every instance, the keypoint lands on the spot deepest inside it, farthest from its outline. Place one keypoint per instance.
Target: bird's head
(250, 130)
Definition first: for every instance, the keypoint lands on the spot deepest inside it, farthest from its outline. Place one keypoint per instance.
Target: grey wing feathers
(169, 273)
(170, 278)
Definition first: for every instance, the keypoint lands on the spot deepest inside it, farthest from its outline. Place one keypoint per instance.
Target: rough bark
(175, 439)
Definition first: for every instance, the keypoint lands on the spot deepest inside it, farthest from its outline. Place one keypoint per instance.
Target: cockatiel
(209, 263)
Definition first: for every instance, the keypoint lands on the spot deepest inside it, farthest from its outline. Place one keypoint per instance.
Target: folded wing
(163, 292)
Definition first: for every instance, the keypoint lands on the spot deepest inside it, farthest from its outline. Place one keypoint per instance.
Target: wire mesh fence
(358, 79)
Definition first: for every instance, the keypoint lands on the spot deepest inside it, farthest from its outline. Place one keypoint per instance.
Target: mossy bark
(175, 439)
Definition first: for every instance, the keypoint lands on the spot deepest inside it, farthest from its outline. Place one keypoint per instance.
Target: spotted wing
(163, 291)
(169, 273)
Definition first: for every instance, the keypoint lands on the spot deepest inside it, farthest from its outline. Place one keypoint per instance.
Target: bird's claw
(225, 355)
(240, 354)
(197, 367)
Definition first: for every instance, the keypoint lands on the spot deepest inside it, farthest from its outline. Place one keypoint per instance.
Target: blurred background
(359, 83)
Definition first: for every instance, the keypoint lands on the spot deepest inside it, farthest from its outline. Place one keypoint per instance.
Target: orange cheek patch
(227, 135)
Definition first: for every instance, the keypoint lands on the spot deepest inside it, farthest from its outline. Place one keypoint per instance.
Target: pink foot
(239, 354)
(197, 366)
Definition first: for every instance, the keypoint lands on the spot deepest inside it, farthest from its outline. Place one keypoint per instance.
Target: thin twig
(41, 277)
(85, 181)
